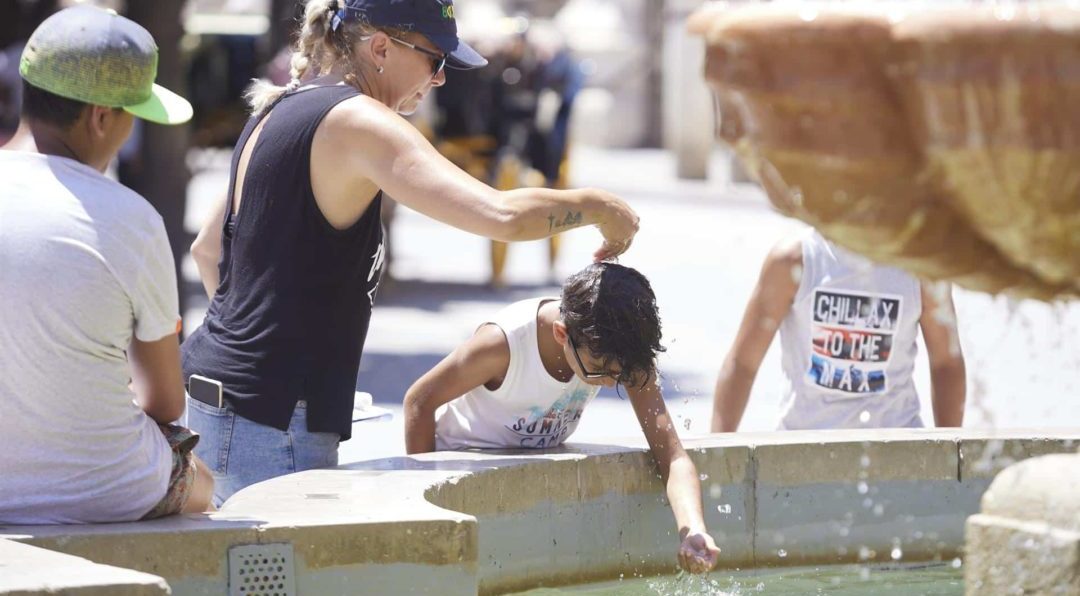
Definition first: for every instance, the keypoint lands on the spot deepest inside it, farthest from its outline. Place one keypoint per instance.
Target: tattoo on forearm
(571, 219)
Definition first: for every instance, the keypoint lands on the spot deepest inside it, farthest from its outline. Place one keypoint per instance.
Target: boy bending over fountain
(524, 378)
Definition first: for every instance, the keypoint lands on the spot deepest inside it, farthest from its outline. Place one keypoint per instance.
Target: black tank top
(290, 316)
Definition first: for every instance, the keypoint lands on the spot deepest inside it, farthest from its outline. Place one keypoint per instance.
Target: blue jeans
(240, 452)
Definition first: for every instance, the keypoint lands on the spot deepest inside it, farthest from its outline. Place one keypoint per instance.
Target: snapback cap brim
(460, 55)
(163, 107)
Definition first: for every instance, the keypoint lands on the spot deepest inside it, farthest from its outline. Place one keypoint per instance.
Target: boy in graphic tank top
(524, 378)
(848, 330)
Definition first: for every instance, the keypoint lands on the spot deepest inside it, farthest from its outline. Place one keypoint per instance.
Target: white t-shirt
(530, 409)
(849, 343)
(84, 265)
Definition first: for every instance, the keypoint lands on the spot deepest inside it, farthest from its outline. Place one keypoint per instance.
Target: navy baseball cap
(433, 19)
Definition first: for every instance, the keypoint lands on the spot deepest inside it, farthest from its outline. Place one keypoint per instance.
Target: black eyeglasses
(581, 365)
(438, 61)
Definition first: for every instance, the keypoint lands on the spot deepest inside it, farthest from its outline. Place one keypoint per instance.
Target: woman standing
(293, 262)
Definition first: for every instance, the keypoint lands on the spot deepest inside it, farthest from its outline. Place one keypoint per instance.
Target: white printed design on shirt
(377, 261)
(548, 428)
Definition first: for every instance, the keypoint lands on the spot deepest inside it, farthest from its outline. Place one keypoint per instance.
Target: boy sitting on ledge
(524, 378)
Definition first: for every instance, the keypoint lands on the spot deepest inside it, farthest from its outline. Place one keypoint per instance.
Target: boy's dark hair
(49, 108)
(610, 310)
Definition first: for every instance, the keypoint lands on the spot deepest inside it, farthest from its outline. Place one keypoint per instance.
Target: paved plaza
(701, 244)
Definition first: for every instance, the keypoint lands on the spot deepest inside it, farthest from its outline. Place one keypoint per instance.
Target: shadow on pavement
(387, 376)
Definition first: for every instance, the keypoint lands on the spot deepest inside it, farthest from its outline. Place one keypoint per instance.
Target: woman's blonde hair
(318, 49)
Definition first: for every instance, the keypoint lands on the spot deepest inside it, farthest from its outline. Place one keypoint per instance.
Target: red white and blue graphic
(852, 338)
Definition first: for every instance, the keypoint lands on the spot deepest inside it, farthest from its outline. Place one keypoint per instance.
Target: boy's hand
(698, 553)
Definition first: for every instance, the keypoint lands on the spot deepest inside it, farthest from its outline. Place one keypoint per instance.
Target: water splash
(685, 584)
(992, 457)
(715, 490)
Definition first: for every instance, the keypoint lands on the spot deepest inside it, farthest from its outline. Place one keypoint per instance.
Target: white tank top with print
(529, 409)
(849, 343)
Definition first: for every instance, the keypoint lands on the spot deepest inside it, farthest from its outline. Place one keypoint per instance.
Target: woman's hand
(619, 225)
(698, 553)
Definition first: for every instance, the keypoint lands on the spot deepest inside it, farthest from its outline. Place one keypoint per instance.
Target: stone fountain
(942, 138)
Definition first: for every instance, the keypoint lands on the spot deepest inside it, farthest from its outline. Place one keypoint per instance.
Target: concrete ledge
(844, 501)
(151, 547)
(29, 570)
(469, 522)
(986, 459)
(596, 513)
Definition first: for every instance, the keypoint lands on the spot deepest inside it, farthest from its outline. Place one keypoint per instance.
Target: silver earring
(380, 69)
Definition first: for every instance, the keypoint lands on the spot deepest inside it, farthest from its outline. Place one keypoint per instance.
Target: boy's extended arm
(948, 373)
(697, 552)
(157, 378)
(769, 304)
(482, 359)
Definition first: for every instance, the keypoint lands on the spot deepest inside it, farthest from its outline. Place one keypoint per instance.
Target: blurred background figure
(515, 132)
(21, 17)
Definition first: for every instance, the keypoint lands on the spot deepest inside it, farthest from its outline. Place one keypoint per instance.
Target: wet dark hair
(610, 310)
(49, 108)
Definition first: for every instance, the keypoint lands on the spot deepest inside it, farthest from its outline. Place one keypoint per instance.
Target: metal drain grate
(261, 570)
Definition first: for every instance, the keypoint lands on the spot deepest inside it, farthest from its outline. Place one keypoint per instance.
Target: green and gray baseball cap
(98, 57)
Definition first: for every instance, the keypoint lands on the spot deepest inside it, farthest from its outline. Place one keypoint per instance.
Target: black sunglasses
(438, 61)
(585, 373)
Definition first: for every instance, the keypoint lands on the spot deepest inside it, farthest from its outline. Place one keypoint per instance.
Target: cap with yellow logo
(432, 18)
